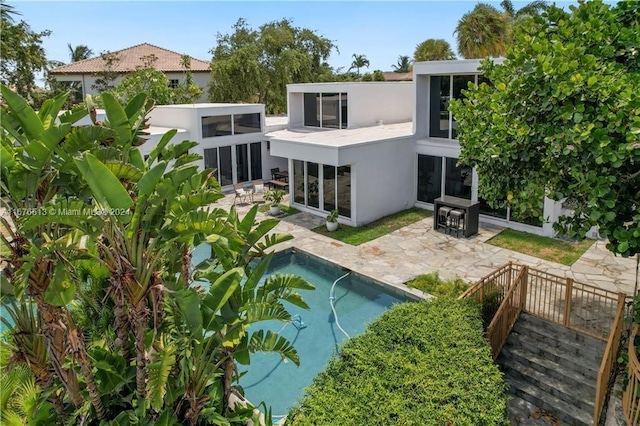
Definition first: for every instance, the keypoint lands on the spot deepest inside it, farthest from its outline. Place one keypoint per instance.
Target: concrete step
(569, 338)
(582, 397)
(545, 366)
(551, 350)
(520, 412)
(567, 413)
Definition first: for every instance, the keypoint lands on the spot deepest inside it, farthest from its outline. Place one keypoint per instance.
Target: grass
(284, 210)
(373, 230)
(436, 286)
(565, 252)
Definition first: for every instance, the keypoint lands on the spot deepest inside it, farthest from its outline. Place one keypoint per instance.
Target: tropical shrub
(424, 363)
(561, 119)
(97, 248)
(436, 286)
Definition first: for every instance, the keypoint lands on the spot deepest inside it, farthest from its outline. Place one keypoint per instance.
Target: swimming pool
(358, 301)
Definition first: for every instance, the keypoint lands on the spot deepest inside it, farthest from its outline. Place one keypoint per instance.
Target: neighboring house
(87, 71)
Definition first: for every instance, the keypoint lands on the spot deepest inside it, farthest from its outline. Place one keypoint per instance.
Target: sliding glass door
(329, 190)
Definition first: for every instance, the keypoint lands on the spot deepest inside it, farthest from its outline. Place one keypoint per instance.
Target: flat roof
(276, 120)
(204, 105)
(159, 130)
(343, 137)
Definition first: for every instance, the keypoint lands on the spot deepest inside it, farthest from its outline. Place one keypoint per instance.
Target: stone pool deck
(417, 249)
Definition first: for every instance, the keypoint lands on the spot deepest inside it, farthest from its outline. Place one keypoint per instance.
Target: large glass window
(460, 83)
(343, 110)
(457, 179)
(325, 110)
(211, 160)
(336, 187)
(429, 178)
(439, 104)
(256, 160)
(313, 185)
(329, 187)
(298, 181)
(218, 125)
(500, 211)
(312, 109)
(247, 123)
(242, 163)
(331, 110)
(226, 166)
(344, 191)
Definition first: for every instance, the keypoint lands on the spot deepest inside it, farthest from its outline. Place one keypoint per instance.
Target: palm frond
(272, 342)
(159, 368)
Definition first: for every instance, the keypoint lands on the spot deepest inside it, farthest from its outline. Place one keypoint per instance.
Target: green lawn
(552, 249)
(284, 210)
(373, 230)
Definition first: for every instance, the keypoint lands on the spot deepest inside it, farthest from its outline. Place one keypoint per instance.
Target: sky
(380, 30)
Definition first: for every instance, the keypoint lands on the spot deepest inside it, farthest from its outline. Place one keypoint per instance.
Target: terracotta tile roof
(131, 59)
(398, 76)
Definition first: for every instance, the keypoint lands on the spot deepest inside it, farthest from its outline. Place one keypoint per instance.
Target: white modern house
(370, 149)
(87, 71)
(437, 171)
(349, 147)
(230, 138)
(366, 149)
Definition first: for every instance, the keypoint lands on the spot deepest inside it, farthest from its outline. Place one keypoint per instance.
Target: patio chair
(241, 193)
(273, 172)
(258, 191)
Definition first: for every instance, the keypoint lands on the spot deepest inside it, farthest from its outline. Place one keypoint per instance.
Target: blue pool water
(357, 302)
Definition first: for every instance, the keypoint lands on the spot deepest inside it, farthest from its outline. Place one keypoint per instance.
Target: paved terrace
(417, 249)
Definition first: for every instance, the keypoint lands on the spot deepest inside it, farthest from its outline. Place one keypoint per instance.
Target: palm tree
(433, 50)
(403, 64)
(359, 61)
(487, 31)
(482, 32)
(79, 52)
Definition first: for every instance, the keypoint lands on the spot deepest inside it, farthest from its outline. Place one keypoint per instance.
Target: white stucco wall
(189, 117)
(381, 183)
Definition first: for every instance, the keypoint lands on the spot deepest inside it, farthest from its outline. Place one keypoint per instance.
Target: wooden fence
(581, 307)
(609, 360)
(631, 395)
(508, 313)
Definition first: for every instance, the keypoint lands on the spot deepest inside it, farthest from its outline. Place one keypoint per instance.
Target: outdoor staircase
(552, 372)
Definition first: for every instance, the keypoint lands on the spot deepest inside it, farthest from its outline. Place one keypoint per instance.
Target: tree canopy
(79, 52)
(487, 31)
(562, 119)
(252, 65)
(359, 61)
(21, 52)
(433, 50)
(155, 85)
(403, 64)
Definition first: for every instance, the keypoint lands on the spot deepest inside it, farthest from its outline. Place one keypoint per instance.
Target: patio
(417, 249)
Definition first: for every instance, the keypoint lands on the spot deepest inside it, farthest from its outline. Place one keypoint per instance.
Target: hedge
(423, 363)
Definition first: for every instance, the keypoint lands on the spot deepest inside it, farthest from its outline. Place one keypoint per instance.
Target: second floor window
(174, 83)
(326, 110)
(236, 124)
(443, 88)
